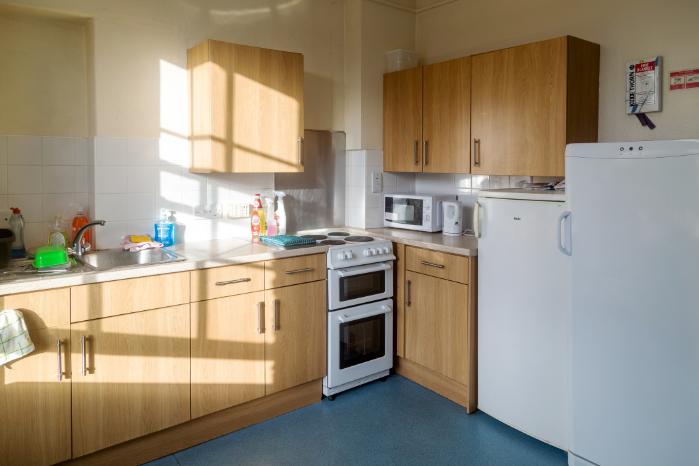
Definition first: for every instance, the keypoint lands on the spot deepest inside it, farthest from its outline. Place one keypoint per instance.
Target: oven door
(359, 285)
(360, 342)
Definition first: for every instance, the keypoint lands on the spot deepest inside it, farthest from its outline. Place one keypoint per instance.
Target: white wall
(625, 29)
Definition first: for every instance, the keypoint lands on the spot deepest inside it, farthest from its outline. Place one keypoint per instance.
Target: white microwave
(413, 212)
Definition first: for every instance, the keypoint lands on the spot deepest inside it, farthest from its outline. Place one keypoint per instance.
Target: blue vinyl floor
(395, 422)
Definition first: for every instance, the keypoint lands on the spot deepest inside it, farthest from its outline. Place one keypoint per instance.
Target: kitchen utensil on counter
(453, 221)
(50, 256)
(287, 241)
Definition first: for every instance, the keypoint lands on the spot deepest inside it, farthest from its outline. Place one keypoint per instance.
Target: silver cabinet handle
(83, 344)
(299, 141)
(432, 264)
(59, 352)
(563, 222)
(295, 271)
(232, 282)
(261, 317)
(277, 314)
(417, 161)
(426, 151)
(477, 219)
(476, 152)
(408, 286)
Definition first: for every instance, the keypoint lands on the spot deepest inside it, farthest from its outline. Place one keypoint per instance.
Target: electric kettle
(453, 221)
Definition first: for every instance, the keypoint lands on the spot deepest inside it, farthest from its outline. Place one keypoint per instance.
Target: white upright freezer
(523, 312)
(635, 302)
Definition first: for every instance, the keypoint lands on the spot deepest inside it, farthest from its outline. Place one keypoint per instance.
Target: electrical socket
(376, 182)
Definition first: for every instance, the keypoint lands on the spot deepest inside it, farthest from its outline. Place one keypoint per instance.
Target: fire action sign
(643, 86)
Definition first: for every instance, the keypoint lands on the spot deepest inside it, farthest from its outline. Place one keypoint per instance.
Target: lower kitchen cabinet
(295, 335)
(131, 376)
(228, 352)
(436, 325)
(35, 390)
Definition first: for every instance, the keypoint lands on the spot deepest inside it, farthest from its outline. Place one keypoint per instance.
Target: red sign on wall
(685, 79)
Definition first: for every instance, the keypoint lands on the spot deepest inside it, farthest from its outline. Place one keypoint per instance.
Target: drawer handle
(476, 152)
(426, 151)
(303, 270)
(261, 317)
(232, 282)
(59, 351)
(432, 264)
(417, 161)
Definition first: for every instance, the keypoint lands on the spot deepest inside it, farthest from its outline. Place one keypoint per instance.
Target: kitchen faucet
(78, 248)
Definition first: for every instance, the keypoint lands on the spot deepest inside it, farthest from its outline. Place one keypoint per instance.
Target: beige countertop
(217, 253)
(464, 245)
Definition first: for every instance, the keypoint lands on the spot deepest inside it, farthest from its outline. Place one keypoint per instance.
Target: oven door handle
(362, 270)
(383, 310)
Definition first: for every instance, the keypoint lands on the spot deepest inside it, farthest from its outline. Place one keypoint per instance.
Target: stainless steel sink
(113, 258)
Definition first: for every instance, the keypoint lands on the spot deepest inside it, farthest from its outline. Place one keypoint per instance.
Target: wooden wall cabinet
(246, 109)
(426, 118)
(136, 378)
(35, 390)
(528, 102)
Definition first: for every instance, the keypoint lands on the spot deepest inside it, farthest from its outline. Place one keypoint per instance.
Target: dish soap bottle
(255, 219)
(79, 221)
(164, 230)
(261, 213)
(57, 236)
(16, 221)
(281, 213)
(270, 217)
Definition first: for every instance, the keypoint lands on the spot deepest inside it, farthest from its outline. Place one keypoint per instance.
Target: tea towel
(14, 336)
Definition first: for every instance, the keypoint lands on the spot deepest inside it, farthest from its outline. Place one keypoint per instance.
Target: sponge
(139, 239)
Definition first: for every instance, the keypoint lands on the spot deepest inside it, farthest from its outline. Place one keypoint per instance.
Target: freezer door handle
(564, 232)
(477, 219)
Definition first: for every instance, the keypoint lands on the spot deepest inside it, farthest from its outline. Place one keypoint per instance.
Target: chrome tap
(78, 249)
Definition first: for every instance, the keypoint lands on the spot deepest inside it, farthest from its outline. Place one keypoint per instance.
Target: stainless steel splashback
(316, 197)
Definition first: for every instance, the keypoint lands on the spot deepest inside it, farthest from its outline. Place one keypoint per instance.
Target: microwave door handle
(363, 270)
(383, 310)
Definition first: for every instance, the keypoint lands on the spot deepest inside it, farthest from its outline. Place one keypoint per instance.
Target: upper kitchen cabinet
(427, 119)
(528, 102)
(402, 121)
(247, 109)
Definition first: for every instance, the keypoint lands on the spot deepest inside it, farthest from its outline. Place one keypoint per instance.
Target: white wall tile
(142, 151)
(480, 182)
(435, 183)
(82, 173)
(24, 150)
(142, 179)
(59, 179)
(63, 205)
(128, 206)
(499, 182)
(58, 151)
(111, 151)
(35, 233)
(111, 179)
(24, 179)
(82, 152)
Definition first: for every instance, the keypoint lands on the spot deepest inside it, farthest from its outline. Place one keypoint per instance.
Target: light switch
(377, 182)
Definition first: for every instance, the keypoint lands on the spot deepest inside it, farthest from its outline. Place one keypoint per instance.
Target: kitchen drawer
(106, 299)
(437, 264)
(295, 270)
(227, 281)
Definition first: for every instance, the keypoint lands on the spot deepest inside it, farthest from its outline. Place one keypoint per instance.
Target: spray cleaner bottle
(16, 221)
(281, 213)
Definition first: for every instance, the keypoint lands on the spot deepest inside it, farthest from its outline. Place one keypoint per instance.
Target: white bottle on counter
(281, 213)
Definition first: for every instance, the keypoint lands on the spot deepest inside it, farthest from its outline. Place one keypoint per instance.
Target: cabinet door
(436, 325)
(446, 116)
(35, 390)
(402, 121)
(253, 98)
(228, 352)
(295, 333)
(136, 378)
(518, 110)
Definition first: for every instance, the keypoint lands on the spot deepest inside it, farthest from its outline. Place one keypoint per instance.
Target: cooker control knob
(373, 251)
(348, 255)
(366, 253)
(340, 256)
(386, 250)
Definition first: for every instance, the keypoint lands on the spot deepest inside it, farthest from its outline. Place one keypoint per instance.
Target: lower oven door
(360, 284)
(360, 342)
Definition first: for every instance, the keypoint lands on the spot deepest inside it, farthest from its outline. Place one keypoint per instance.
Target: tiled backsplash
(45, 177)
(136, 178)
